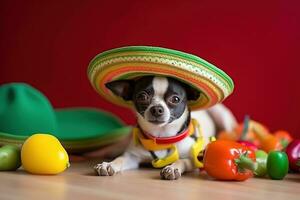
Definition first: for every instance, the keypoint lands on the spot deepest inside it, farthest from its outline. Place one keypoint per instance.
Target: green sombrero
(135, 61)
(25, 111)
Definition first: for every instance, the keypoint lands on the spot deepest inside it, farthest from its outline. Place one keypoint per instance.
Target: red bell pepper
(228, 160)
(293, 153)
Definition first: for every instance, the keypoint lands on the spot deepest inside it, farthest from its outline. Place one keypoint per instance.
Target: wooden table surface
(79, 182)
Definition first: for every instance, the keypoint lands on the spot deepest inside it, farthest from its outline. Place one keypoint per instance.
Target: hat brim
(81, 130)
(132, 62)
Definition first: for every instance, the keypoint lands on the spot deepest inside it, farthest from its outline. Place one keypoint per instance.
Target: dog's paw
(170, 173)
(104, 169)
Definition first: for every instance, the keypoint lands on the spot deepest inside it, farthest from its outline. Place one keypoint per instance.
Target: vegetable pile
(252, 150)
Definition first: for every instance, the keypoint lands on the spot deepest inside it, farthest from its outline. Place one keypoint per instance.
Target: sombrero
(25, 111)
(135, 61)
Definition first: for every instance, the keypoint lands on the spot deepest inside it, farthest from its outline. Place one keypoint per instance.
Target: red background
(49, 44)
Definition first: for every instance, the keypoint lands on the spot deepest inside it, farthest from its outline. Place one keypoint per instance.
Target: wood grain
(79, 182)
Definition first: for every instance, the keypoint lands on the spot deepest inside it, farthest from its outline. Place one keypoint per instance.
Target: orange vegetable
(224, 135)
(284, 137)
(249, 135)
(228, 160)
(236, 134)
(259, 135)
(268, 142)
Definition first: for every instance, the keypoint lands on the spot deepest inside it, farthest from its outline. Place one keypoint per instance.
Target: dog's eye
(174, 99)
(142, 97)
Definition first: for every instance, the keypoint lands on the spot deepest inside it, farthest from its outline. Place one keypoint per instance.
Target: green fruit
(261, 160)
(277, 165)
(10, 158)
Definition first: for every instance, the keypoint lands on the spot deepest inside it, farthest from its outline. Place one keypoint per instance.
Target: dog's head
(157, 100)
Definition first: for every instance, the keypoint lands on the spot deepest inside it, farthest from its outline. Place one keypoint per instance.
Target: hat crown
(24, 110)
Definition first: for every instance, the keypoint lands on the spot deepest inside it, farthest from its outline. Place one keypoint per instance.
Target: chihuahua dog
(161, 106)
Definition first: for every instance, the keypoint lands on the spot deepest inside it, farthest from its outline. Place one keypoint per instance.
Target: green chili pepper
(261, 160)
(277, 165)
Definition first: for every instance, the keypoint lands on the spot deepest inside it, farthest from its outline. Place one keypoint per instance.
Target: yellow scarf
(151, 145)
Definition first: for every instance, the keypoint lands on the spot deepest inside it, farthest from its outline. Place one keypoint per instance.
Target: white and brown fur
(171, 120)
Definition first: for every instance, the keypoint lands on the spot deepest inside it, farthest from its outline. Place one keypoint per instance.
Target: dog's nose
(157, 111)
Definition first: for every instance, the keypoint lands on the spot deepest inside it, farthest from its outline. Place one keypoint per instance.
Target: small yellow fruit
(43, 154)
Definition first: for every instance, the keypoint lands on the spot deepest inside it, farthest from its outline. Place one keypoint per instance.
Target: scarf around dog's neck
(152, 143)
(173, 139)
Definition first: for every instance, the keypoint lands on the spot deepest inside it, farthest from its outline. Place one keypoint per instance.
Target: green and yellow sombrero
(135, 61)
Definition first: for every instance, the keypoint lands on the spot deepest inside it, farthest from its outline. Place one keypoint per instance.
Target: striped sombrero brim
(135, 61)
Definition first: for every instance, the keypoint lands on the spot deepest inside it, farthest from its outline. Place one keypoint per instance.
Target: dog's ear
(191, 93)
(122, 88)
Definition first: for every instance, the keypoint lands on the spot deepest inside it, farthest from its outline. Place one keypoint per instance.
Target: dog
(161, 107)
